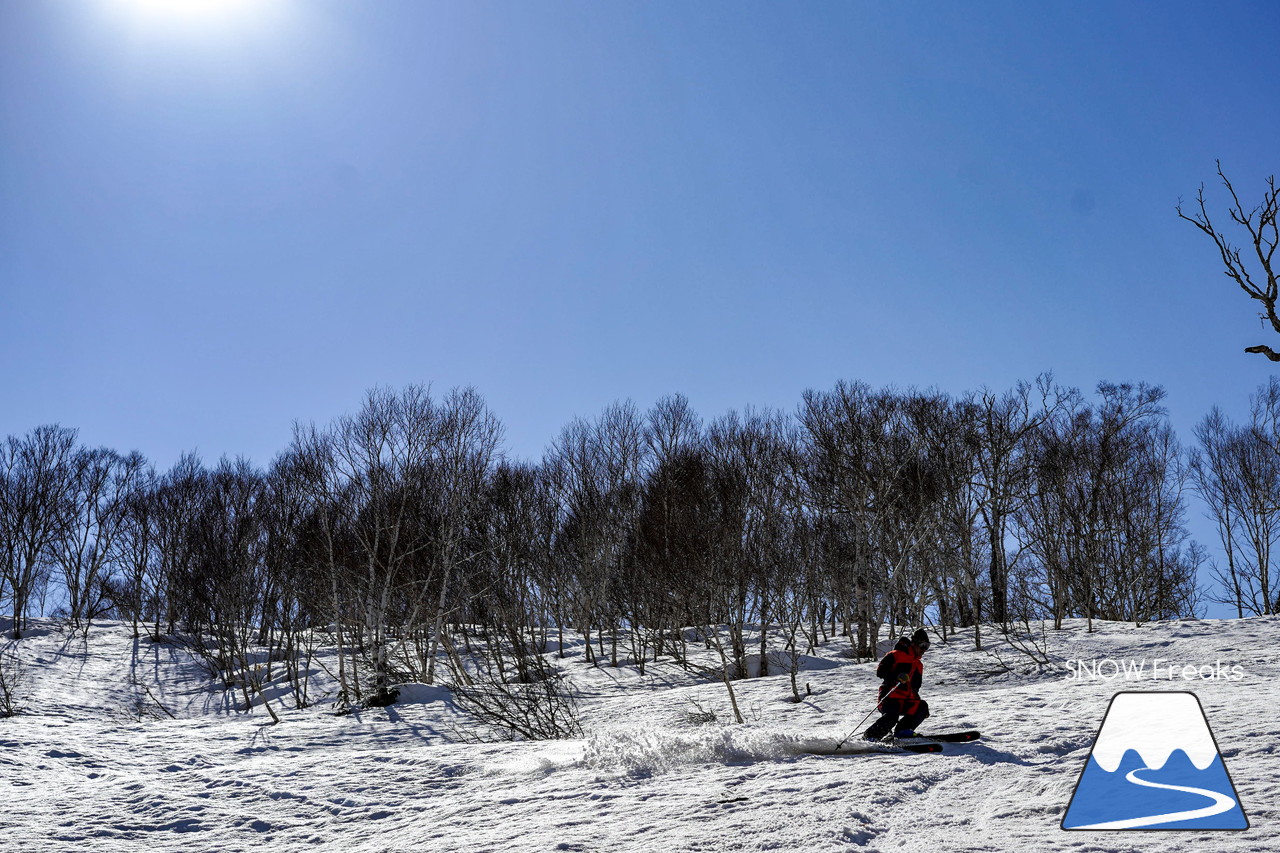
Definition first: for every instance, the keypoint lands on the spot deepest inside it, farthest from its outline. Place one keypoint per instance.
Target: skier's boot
(878, 730)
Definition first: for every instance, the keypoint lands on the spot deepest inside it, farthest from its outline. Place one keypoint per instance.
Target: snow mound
(780, 663)
(422, 694)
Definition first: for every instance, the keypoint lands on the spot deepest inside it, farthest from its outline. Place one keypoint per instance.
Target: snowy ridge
(1154, 724)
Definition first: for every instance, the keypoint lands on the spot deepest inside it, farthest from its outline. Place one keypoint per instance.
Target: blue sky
(212, 225)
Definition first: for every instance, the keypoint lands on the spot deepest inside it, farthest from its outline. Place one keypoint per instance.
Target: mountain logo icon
(1155, 765)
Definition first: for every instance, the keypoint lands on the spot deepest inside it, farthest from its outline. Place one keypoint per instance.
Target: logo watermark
(1154, 765)
(1157, 669)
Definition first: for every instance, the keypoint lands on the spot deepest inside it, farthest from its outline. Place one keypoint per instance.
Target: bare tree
(137, 551)
(1256, 276)
(1237, 472)
(230, 587)
(1213, 474)
(673, 541)
(393, 490)
(34, 473)
(872, 471)
(1105, 518)
(552, 557)
(175, 505)
(600, 468)
(1051, 521)
(294, 577)
(100, 486)
(502, 592)
(954, 555)
(840, 427)
(1005, 425)
(455, 479)
(664, 542)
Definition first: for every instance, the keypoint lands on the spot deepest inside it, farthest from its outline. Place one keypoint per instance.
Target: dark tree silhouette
(1260, 224)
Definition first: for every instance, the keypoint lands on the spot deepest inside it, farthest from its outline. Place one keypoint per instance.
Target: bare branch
(1261, 225)
(1265, 350)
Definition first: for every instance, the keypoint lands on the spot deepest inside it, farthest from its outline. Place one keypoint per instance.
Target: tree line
(402, 538)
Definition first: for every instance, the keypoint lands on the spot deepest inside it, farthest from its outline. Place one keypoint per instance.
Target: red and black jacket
(903, 659)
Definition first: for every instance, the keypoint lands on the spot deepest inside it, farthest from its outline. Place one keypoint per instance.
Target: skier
(901, 671)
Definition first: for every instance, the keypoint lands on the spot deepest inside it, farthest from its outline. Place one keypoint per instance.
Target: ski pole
(867, 717)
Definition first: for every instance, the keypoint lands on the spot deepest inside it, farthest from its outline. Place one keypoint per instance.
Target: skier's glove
(904, 678)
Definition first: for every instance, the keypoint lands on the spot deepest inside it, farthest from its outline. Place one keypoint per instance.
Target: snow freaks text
(1109, 669)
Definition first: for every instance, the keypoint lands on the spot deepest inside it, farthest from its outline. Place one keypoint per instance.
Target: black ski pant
(901, 714)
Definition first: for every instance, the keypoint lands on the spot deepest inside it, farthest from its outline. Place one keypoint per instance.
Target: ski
(909, 746)
(951, 737)
(880, 747)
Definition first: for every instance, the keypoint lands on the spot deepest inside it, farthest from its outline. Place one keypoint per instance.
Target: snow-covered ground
(95, 765)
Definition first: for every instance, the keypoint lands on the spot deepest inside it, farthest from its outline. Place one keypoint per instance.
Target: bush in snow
(700, 715)
(546, 709)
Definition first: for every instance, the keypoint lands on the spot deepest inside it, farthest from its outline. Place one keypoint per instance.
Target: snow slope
(96, 765)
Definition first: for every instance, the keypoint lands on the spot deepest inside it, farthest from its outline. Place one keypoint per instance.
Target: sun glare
(202, 14)
(195, 8)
